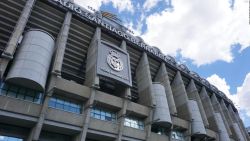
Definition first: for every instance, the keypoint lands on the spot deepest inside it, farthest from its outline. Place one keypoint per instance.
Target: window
(178, 135)
(158, 130)
(63, 104)
(103, 114)
(20, 93)
(5, 138)
(134, 123)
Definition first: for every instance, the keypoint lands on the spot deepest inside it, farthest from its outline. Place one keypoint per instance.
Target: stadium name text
(83, 13)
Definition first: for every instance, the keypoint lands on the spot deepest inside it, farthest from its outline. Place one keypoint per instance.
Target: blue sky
(211, 37)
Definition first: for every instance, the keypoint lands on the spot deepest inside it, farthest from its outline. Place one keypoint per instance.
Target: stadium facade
(68, 74)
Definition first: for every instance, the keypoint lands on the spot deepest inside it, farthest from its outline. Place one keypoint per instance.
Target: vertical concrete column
(181, 101)
(92, 80)
(91, 74)
(229, 119)
(197, 127)
(86, 115)
(15, 36)
(161, 111)
(193, 93)
(223, 135)
(60, 45)
(144, 83)
(36, 131)
(162, 77)
(208, 107)
(122, 115)
(218, 109)
(180, 97)
(122, 112)
(237, 127)
(240, 122)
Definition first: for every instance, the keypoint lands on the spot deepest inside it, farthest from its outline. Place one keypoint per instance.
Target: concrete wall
(105, 126)
(193, 94)
(144, 81)
(180, 97)
(31, 64)
(162, 77)
(208, 107)
(72, 88)
(161, 110)
(134, 133)
(64, 117)
(223, 135)
(197, 125)
(157, 137)
(108, 99)
(19, 106)
(138, 109)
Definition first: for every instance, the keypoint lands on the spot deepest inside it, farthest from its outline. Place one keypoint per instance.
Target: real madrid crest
(114, 60)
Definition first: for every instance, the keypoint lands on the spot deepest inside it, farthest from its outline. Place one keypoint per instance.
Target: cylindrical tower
(31, 65)
(198, 128)
(161, 112)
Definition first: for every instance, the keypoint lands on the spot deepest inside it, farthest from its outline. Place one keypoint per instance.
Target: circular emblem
(114, 60)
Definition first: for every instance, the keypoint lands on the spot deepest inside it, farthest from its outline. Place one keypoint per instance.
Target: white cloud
(243, 95)
(96, 4)
(136, 30)
(149, 4)
(220, 83)
(202, 31)
(240, 99)
(121, 5)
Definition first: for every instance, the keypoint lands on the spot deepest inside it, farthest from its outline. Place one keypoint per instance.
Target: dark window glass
(6, 138)
(103, 114)
(65, 104)
(21, 93)
(159, 130)
(177, 135)
(134, 123)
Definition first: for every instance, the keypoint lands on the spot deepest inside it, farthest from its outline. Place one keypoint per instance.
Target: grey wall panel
(31, 64)
(193, 93)
(223, 135)
(180, 97)
(208, 107)
(238, 131)
(144, 82)
(161, 111)
(162, 76)
(197, 122)
(218, 108)
(91, 76)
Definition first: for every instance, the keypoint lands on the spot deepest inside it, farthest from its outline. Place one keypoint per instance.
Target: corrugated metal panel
(46, 17)
(135, 56)
(74, 62)
(110, 39)
(9, 13)
(185, 80)
(154, 66)
(171, 73)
